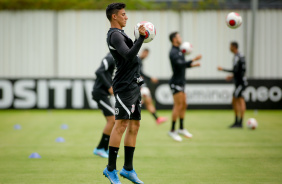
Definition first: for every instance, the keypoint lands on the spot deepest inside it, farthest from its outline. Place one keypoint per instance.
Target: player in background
(126, 87)
(102, 90)
(145, 91)
(177, 84)
(240, 81)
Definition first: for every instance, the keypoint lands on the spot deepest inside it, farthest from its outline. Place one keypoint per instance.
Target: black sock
(128, 157)
(112, 164)
(173, 126)
(155, 116)
(240, 121)
(104, 142)
(181, 124)
(236, 119)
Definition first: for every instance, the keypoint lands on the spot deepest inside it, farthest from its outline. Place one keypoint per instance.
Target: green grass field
(215, 154)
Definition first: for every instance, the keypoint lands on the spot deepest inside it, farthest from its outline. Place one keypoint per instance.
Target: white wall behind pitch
(72, 43)
(26, 44)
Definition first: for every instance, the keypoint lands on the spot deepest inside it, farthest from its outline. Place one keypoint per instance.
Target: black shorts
(239, 89)
(104, 103)
(176, 88)
(128, 105)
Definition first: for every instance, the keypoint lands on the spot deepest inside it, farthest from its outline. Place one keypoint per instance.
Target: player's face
(121, 18)
(232, 48)
(178, 39)
(144, 54)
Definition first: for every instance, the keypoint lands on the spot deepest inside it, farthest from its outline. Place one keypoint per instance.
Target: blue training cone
(34, 155)
(64, 126)
(17, 127)
(60, 139)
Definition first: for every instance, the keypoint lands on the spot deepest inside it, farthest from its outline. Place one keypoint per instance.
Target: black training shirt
(127, 76)
(104, 75)
(239, 69)
(179, 65)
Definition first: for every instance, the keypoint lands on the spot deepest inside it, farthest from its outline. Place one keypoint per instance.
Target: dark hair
(113, 9)
(172, 35)
(235, 44)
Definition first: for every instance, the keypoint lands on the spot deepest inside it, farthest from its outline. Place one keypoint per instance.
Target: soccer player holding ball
(126, 88)
(177, 84)
(240, 81)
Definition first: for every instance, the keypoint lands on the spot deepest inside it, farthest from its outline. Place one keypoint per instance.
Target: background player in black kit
(145, 91)
(240, 81)
(126, 87)
(177, 84)
(102, 90)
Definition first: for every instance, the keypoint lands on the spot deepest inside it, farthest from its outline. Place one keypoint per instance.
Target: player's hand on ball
(219, 68)
(154, 80)
(111, 91)
(142, 30)
(197, 58)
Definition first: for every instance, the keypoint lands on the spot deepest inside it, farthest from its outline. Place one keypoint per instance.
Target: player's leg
(182, 130)
(177, 107)
(242, 109)
(128, 171)
(239, 106)
(102, 148)
(105, 105)
(129, 143)
(237, 113)
(147, 99)
(234, 106)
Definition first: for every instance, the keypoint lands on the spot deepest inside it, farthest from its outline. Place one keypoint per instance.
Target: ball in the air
(252, 123)
(186, 48)
(150, 31)
(233, 20)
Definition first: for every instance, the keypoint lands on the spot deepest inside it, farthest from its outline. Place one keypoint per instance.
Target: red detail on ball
(147, 34)
(143, 22)
(237, 14)
(232, 22)
(183, 51)
(150, 26)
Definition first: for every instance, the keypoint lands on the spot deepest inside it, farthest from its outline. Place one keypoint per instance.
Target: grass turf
(215, 154)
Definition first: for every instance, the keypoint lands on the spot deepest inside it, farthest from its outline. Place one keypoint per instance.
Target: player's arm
(179, 61)
(117, 41)
(187, 64)
(229, 77)
(196, 64)
(242, 63)
(101, 71)
(219, 68)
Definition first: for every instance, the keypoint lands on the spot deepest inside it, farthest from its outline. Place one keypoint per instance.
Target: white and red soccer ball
(186, 48)
(150, 33)
(233, 20)
(252, 123)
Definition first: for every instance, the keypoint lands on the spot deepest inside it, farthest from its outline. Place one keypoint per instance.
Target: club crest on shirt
(132, 108)
(116, 111)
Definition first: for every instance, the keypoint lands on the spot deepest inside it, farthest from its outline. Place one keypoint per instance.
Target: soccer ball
(150, 33)
(233, 20)
(252, 123)
(186, 48)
